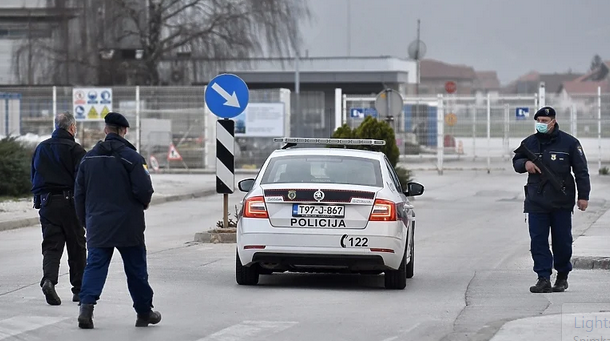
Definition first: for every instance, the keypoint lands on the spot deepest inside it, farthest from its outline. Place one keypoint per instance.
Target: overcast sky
(511, 37)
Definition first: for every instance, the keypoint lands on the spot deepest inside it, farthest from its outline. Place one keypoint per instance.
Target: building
(435, 74)
(530, 83)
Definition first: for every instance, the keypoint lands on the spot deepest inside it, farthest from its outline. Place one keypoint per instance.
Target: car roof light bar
(293, 141)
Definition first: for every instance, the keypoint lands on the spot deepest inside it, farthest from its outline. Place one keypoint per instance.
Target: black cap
(545, 111)
(116, 119)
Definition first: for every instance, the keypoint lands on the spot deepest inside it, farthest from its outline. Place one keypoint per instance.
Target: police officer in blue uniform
(54, 165)
(547, 207)
(113, 188)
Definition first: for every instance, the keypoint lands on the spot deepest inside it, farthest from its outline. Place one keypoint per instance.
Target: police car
(326, 210)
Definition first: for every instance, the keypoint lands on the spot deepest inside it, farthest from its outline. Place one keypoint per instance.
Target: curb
(215, 238)
(17, 224)
(239, 171)
(591, 263)
(26, 222)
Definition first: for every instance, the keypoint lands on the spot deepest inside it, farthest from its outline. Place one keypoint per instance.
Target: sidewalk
(168, 187)
(592, 249)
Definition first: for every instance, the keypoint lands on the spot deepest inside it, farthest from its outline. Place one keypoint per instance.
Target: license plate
(330, 211)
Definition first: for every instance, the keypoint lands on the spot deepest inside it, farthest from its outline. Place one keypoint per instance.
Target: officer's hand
(582, 204)
(531, 167)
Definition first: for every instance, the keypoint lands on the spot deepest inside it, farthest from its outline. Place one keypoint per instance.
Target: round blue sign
(80, 112)
(227, 96)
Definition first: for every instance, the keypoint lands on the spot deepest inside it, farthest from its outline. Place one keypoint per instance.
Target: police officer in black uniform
(547, 207)
(54, 165)
(113, 188)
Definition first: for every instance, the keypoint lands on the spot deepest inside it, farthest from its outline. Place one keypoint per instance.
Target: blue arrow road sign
(522, 113)
(227, 95)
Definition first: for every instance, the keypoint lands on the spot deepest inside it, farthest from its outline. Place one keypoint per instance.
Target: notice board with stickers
(91, 104)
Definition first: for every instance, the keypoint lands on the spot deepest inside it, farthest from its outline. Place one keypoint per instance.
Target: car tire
(397, 279)
(245, 275)
(411, 264)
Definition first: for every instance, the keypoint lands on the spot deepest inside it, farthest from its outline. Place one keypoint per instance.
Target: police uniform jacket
(54, 164)
(562, 154)
(113, 188)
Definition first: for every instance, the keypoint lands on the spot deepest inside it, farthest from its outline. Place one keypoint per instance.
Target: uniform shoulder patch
(579, 148)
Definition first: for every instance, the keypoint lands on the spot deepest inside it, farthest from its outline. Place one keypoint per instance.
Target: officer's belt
(67, 194)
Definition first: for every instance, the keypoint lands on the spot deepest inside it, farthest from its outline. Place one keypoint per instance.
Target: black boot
(48, 289)
(561, 284)
(153, 317)
(75, 298)
(85, 318)
(543, 286)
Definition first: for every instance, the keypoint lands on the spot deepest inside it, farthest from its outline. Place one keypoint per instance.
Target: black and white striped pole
(225, 163)
(227, 97)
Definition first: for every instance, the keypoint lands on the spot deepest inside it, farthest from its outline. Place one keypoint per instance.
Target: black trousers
(60, 226)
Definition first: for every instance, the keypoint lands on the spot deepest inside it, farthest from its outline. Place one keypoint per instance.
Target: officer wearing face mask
(548, 208)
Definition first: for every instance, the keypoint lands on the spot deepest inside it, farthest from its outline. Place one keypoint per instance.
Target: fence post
(474, 131)
(207, 134)
(344, 114)
(599, 127)
(541, 96)
(338, 108)
(507, 129)
(440, 143)
(54, 108)
(573, 118)
(138, 132)
(488, 133)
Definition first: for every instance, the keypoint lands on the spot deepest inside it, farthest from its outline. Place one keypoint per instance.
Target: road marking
(248, 330)
(392, 338)
(21, 324)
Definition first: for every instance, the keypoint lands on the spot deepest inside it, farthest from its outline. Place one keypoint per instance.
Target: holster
(37, 201)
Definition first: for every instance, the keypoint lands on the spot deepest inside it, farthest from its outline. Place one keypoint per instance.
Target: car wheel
(397, 279)
(245, 275)
(411, 264)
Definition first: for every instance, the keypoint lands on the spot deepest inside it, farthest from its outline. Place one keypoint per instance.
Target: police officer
(548, 207)
(54, 165)
(113, 188)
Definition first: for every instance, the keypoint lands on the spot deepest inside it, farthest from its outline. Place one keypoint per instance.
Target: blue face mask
(542, 127)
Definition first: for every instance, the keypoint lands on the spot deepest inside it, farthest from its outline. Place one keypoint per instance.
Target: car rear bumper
(292, 248)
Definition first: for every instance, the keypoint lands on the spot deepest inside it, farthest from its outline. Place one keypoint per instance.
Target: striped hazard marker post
(226, 96)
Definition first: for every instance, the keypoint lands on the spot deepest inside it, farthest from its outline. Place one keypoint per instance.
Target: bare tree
(214, 29)
(202, 29)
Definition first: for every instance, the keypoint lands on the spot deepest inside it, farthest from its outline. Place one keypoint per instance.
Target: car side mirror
(414, 189)
(245, 185)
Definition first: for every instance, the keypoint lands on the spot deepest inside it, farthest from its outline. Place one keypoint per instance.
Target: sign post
(226, 96)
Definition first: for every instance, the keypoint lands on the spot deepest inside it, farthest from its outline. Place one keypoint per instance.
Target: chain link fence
(435, 132)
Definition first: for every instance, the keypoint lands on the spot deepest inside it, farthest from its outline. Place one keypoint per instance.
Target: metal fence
(438, 132)
(481, 132)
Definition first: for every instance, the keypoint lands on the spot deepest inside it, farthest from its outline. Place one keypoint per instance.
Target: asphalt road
(472, 274)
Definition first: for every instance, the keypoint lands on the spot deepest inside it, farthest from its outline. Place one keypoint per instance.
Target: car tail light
(383, 210)
(381, 250)
(255, 208)
(254, 247)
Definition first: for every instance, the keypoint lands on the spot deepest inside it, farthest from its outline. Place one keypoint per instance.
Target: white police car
(326, 210)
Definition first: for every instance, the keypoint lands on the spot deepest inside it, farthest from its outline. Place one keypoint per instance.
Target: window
(393, 175)
(323, 169)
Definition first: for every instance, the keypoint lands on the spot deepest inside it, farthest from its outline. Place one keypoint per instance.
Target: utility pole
(417, 61)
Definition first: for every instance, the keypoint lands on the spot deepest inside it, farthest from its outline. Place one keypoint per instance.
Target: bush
(372, 128)
(604, 171)
(15, 161)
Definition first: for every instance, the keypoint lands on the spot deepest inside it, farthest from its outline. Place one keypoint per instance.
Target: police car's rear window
(323, 169)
